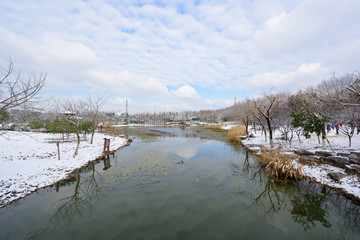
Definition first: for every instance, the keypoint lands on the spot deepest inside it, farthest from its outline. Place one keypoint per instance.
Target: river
(180, 183)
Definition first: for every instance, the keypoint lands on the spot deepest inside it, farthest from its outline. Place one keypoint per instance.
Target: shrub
(280, 166)
(235, 132)
(4, 116)
(213, 126)
(36, 123)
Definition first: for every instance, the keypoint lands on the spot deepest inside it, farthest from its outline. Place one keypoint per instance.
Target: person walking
(337, 128)
(328, 127)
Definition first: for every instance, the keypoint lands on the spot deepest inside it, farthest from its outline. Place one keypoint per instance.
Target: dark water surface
(180, 183)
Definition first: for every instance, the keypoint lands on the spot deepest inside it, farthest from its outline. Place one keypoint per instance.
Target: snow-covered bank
(316, 168)
(29, 161)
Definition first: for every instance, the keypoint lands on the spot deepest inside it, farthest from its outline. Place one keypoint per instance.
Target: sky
(179, 55)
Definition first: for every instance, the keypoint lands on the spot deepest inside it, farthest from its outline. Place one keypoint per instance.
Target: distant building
(68, 113)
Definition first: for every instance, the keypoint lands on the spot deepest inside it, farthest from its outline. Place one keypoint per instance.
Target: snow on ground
(229, 125)
(317, 172)
(29, 161)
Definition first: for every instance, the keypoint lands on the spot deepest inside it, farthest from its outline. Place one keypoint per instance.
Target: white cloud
(64, 61)
(186, 92)
(305, 75)
(309, 27)
(128, 84)
(139, 50)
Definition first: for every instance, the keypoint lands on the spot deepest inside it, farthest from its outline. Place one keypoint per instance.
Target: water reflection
(309, 204)
(86, 188)
(205, 188)
(151, 134)
(107, 162)
(69, 208)
(308, 209)
(79, 203)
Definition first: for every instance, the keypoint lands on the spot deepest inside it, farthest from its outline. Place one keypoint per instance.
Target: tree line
(335, 101)
(310, 110)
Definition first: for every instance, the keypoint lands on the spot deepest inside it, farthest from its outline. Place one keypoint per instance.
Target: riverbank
(29, 161)
(338, 169)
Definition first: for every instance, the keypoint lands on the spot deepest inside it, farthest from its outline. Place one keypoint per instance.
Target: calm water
(174, 183)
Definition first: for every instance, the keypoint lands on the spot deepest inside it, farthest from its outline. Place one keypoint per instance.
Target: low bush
(213, 126)
(280, 166)
(235, 132)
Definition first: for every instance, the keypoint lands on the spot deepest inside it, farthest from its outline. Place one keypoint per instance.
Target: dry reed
(280, 166)
(110, 129)
(213, 126)
(235, 132)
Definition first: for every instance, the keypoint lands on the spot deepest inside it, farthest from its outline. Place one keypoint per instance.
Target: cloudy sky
(179, 55)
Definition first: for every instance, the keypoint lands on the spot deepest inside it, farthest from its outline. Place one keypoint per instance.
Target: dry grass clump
(280, 166)
(109, 129)
(235, 132)
(213, 126)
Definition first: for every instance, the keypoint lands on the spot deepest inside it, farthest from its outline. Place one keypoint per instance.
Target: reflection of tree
(246, 165)
(272, 197)
(350, 221)
(79, 202)
(236, 147)
(71, 206)
(348, 211)
(310, 203)
(307, 209)
(38, 234)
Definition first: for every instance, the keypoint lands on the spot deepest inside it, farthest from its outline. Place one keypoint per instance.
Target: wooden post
(106, 145)
(58, 148)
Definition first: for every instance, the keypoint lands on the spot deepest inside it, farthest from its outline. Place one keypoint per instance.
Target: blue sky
(180, 55)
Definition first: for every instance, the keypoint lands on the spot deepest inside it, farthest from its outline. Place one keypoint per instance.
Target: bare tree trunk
(349, 140)
(270, 132)
(290, 139)
(77, 143)
(265, 134)
(247, 125)
(332, 149)
(92, 137)
(262, 125)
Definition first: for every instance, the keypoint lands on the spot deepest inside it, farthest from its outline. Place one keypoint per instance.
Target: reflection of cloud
(188, 149)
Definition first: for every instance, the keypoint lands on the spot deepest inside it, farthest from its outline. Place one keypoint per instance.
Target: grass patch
(213, 126)
(280, 166)
(110, 129)
(235, 132)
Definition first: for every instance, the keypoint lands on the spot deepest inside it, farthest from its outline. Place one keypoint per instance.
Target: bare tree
(348, 127)
(16, 90)
(268, 108)
(246, 113)
(94, 105)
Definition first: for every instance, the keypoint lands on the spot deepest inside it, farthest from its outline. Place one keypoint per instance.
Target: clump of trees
(79, 117)
(334, 100)
(308, 111)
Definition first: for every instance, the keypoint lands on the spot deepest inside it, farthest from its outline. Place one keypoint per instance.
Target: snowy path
(29, 161)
